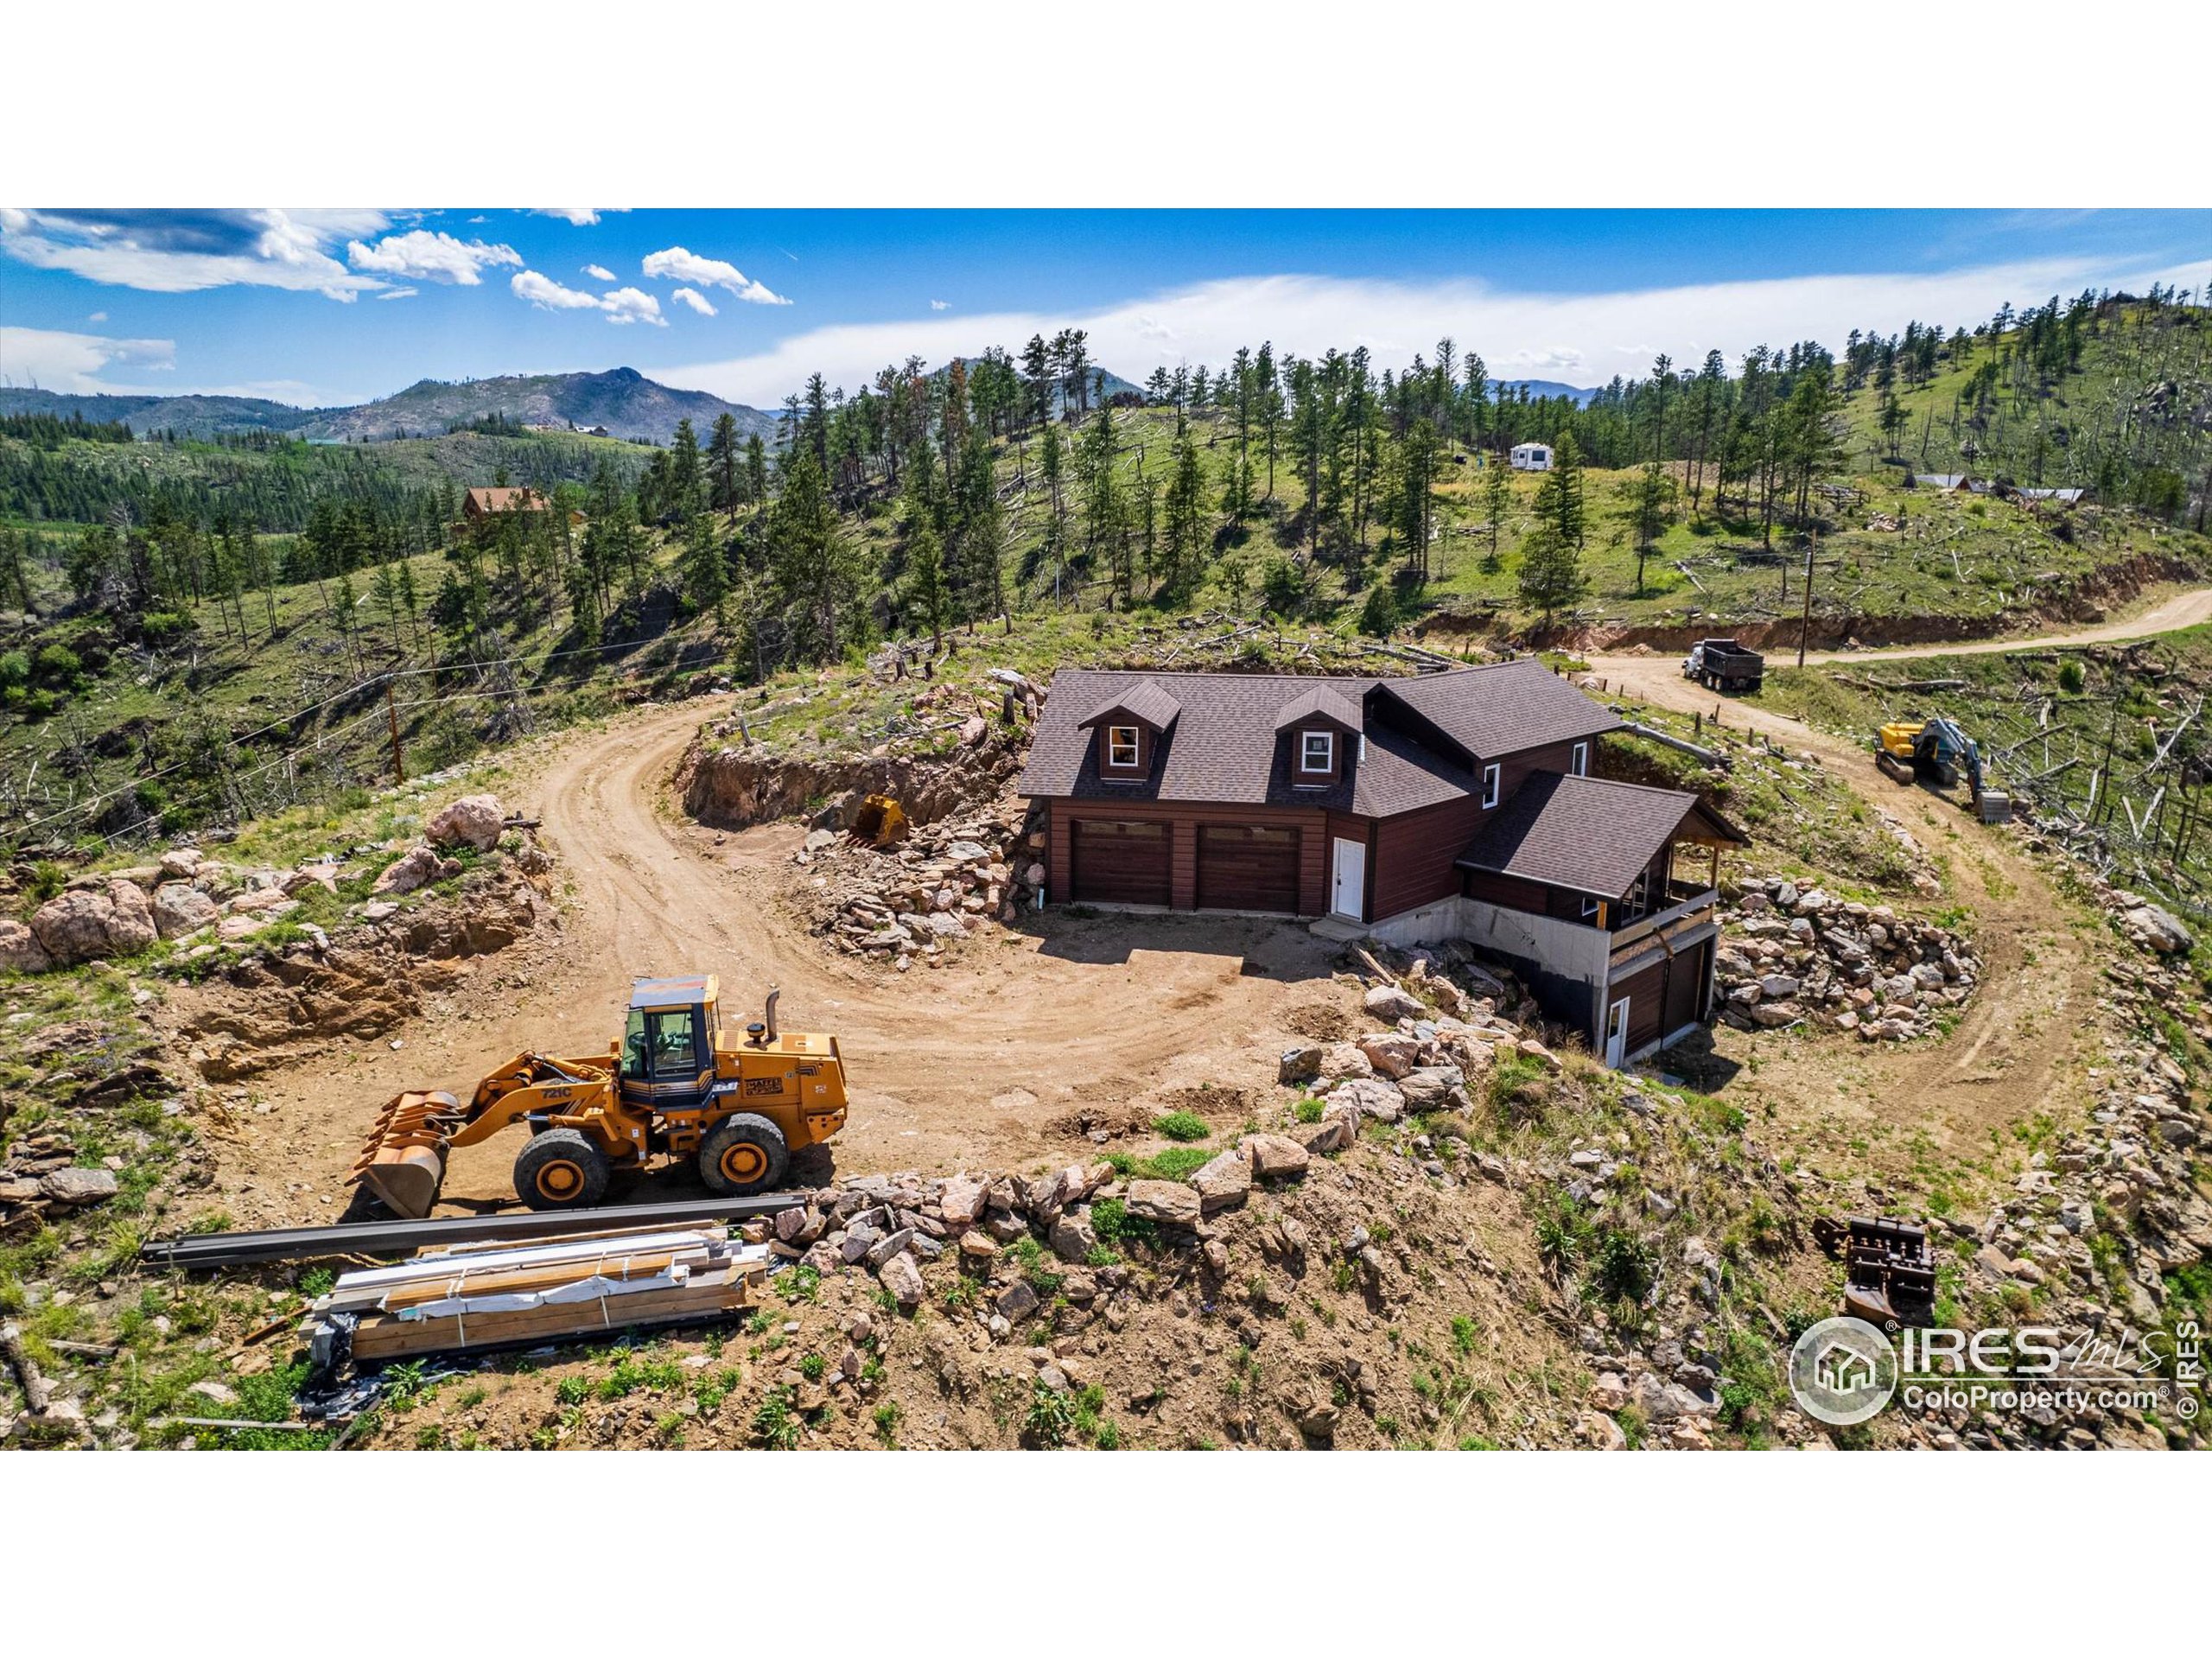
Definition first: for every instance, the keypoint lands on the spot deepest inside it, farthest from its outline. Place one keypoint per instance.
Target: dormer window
(1317, 752)
(1578, 761)
(1122, 747)
(1491, 788)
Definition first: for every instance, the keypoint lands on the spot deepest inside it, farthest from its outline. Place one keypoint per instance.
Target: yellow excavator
(674, 1086)
(1938, 750)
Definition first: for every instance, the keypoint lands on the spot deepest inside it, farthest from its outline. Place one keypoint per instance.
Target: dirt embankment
(2078, 599)
(274, 1009)
(728, 785)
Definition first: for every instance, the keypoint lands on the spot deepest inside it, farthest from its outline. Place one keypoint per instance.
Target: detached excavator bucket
(403, 1161)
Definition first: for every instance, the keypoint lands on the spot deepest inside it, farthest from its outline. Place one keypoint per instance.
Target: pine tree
(1650, 502)
(925, 589)
(706, 573)
(1551, 570)
(726, 466)
(1497, 501)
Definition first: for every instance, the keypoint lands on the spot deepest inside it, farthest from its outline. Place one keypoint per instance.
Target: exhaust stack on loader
(672, 1087)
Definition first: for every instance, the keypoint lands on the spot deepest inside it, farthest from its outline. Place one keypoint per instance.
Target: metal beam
(200, 1250)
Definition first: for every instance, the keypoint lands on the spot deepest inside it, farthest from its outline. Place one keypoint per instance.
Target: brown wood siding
(1414, 854)
(1184, 820)
(1120, 861)
(1248, 866)
(1533, 898)
(1644, 1008)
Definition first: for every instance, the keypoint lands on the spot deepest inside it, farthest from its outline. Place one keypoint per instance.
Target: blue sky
(339, 306)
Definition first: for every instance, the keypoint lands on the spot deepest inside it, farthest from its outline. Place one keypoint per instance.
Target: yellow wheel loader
(675, 1086)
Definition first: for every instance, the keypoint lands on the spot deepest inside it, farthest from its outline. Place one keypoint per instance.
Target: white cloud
(632, 305)
(940, 305)
(399, 292)
(432, 255)
(695, 300)
(60, 361)
(577, 215)
(682, 265)
(97, 316)
(599, 273)
(623, 305)
(543, 291)
(183, 250)
(1518, 334)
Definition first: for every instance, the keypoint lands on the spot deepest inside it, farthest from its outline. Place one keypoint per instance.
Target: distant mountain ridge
(622, 401)
(1548, 389)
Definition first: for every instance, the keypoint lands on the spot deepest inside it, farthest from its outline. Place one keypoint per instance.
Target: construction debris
(468, 1298)
(1889, 1274)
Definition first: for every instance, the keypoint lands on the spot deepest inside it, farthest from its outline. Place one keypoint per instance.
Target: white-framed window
(1638, 896)
(1492, 787)
(1590, 907)
(1317, 752)
(1578, 760)
(1122, 746)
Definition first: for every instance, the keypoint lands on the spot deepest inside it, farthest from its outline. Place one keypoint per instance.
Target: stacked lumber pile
(478, 1296)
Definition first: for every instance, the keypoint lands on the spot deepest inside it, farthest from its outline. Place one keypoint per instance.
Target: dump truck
(1938, 750)
(675, 1086)
(1723, 665)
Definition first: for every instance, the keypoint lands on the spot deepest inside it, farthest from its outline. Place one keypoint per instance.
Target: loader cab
(668, 1042)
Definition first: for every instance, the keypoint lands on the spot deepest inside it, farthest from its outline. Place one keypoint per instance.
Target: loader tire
(561, 1169)
(743, 1155)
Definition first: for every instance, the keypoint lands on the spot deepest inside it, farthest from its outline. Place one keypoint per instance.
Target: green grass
(1170, 1164)
(1182, 1126)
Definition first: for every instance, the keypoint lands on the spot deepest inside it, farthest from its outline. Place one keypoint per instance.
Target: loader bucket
(403, 1161)
(881, 822)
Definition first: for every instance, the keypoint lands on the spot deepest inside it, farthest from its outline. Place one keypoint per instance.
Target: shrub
(775, 1425)
(2072, 677)
(1308, 1110)
(1045, 1426)
(1111, 1220)
(1183, 1126)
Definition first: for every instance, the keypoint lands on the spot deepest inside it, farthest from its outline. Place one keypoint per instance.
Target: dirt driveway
(991, 1061)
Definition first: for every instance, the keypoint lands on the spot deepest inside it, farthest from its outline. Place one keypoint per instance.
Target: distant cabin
(483, 503)
(1532, 457)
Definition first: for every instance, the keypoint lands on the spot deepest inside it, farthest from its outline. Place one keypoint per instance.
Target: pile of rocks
(1420, 1060)
(894, 1225)
(1790, 954)
(205, 903)
(907, 902)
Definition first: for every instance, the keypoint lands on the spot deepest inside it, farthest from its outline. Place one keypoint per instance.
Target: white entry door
(1616, 1033)
(1348, 895)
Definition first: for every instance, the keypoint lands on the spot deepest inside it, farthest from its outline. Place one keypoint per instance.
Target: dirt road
(2025, 1042)
(986, 1062)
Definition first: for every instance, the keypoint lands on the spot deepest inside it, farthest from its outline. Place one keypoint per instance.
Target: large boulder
(180, 908)
(1224, 1184)
(73, 927)
(1168, 1202)
(472, 821)
(131, 928)
(20, 950)
(1369, 1098)
(1391, 1055)
(1275, 1156)
(1389, 1002)
(2160, 929)
(1434, 1088)
(419, 868)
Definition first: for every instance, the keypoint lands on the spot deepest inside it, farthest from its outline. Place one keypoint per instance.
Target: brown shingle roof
(1322, 703)
(1146, 701)
(1590, 835)
(1226, 746)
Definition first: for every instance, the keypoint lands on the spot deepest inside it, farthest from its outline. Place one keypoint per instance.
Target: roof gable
(1147, 703)
(1589, 835)
(1322, 704)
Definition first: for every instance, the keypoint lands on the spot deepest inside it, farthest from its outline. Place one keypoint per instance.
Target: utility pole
(391, 713)
(1805, 623)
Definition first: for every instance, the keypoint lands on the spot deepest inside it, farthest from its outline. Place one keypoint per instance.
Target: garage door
(1685, 985)
(1119, 862)
(1248, 867)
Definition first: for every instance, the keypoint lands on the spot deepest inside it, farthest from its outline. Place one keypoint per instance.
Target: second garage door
(1119, 862)
(1248, 867)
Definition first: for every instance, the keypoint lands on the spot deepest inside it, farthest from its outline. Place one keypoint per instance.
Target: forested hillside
(178, 596)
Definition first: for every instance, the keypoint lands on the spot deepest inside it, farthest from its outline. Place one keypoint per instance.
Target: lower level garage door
(1119, 862)
(1686, 986)
(1248, 867)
